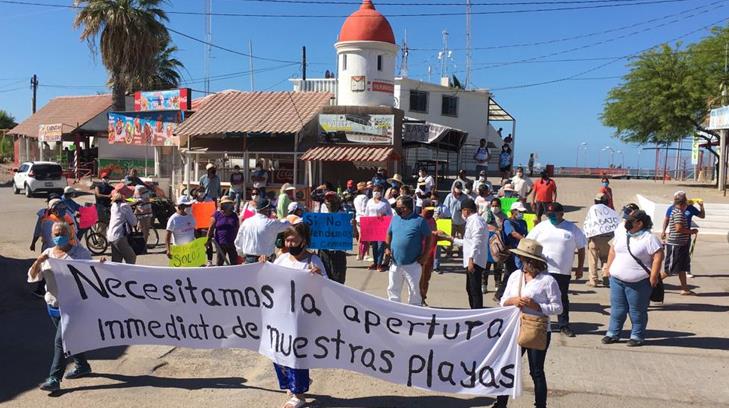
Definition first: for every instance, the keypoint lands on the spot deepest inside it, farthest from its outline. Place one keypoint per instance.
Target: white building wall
(359, 77)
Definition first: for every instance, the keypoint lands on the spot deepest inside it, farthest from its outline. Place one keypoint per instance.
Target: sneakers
(567, 331)
(210, 263)
(635, 343)
(609, 340)
(368, 259)
(688, 275)
(484, 289)
(51, 385)
(78, 372)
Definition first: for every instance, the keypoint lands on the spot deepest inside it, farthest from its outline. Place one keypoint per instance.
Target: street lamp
(622, 158)
(579, 147)
(612, 152)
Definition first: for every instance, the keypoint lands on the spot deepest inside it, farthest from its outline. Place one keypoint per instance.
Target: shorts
(678, 259)
(541, 208)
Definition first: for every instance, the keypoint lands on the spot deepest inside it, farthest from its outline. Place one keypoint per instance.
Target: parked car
(36, 177)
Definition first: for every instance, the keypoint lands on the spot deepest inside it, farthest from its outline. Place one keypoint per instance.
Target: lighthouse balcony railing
(315, 85)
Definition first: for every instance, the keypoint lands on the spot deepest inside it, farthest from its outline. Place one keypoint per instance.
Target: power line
(580, 36)
(408, 15)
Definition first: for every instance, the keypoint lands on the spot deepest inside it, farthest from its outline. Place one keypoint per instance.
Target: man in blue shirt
(210, 183)
(408, 240)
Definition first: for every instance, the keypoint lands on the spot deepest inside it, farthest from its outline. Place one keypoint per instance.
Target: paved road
(685, 362)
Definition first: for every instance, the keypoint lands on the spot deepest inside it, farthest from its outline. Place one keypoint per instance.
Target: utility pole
(405, 52)
(34, 87)
(469, 49)
(443, 56)
(303, 64)
(250, 65)
(724, 133)
(208, 50)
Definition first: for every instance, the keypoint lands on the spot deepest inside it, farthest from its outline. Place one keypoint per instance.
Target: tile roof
(253, 112)
(68, 110)
(354, 153)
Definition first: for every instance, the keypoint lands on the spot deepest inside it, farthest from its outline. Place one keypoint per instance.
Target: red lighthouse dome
(366, 24)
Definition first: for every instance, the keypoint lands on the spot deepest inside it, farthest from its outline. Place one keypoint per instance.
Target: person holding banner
(533, 290)
(64, 248)
(223, 229)
(407, 242)
(296, 381)
(120, 225)
(377, 207)
(256, 237)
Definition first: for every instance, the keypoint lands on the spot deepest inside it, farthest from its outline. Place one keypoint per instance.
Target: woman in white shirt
(63, 248)
(634, 265)
(120, 225)
(377, 207)
(296, 381)
(535, 292)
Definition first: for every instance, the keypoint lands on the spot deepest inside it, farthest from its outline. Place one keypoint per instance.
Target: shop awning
(67, 113)
(355, 153)
(497, 113)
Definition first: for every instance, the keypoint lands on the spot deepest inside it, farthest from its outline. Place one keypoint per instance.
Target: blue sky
(552, 119)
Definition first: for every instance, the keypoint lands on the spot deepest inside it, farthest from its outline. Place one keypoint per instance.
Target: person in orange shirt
(605, 189)
(545, 192)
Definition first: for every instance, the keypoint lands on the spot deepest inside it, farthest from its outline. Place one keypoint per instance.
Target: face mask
(297, 250)
(496, 210)
(377, 194)
(60, 240)
(105, 181)
(635, 234)
(481, 178)
(520, 175)
(519, 216)
(553, 219)
(226, 207)
(605, 184)
(184, 210)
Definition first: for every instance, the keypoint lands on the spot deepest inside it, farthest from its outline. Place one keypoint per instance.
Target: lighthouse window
(449, 106)
(344, 62)
(418, 101)
(379, 62)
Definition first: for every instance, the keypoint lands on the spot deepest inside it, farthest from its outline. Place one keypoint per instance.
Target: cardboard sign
(188, 255)
(202, 213)
(372, 229)
(330, 231)
(600, 219)
(445, 225)
(87, 217)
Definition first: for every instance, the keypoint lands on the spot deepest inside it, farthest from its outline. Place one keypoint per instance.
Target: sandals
(688, 293)
(294, 402)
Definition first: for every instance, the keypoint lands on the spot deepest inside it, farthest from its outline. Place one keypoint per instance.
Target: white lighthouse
(366, 52)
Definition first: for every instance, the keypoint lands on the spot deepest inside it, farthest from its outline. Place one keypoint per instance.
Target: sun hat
(396, 178)
(530, 248)
(54, 202)
(518, 205)
(184, 200)
(287, 187)
(508, 187)
(226, 200)
(262, 203)
(554, 207)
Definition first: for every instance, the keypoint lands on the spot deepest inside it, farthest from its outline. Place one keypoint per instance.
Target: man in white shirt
(180, 226)
(121, 222)
(475, 255)
(257, 235)
(560, 239)
(522, 185)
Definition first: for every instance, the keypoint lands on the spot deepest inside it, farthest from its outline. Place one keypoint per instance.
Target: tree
(7, 121)
(130, 34)
(166, 71)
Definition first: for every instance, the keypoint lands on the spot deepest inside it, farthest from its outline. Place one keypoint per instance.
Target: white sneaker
(210, 263)
(688, 275)
(369, 259)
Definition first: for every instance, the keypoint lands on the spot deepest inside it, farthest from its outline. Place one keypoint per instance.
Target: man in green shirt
(284, 199)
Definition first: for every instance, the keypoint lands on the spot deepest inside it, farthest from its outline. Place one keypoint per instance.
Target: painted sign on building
(357, 128)
(359, 83)
(380, 86)
(695, 151)
(143, 128)
(719, 118)
(423, 132)
(50, 133)
(173, 99)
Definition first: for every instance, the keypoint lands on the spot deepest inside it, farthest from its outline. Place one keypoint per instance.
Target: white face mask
(377, 194)
(481, 178)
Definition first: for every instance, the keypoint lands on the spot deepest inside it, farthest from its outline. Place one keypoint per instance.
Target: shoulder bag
(532, 329)
(658, 292)
(499, 251)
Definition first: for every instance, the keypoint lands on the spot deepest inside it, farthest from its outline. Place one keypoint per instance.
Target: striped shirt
(675, 221)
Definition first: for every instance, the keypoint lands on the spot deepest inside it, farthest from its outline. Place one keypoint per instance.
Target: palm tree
(129, 34)
(166, 73)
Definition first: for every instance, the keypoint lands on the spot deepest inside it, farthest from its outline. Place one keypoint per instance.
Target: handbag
(136, 241)
(499, 251)
(658, 293)
(532, 329)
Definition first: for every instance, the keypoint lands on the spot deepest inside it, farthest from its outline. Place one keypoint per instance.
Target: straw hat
(226, 200)
(530, 248)
(396, 178)
(287, 187)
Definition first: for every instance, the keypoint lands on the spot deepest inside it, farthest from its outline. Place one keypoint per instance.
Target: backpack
(499, 251)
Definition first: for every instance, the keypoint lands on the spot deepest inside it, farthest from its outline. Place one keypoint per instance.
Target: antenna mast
(469, 48)
(404, 56)
(208, 50)
(444, 55)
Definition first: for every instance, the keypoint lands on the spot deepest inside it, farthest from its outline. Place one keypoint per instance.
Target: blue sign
(330, 231)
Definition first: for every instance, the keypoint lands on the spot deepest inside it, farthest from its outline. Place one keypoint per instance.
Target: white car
(40, 176)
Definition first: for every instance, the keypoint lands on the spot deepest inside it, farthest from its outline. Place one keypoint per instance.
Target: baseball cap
(519, 206)
(54, 202)
(209, 166)
(555, 207)
(468, 204)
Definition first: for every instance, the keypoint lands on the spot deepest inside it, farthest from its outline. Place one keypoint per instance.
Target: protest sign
(445, 225)
(531, 220)
(507, 202)
(330, 231)
(188, 255)
(373, 229)
(600, 219)
(87, 216)
(203, 213)
(292, 317)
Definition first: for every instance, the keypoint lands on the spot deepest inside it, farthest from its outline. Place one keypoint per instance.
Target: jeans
(378, 252)
(295, 380)
(536, 371)
(409, 274)
(251, 259)
(629, 298)
(564, 286)
(236, 196)
(473, 287)
(121, 250)
(58, 365)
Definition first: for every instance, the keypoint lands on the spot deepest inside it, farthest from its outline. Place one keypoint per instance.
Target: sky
(554, 81)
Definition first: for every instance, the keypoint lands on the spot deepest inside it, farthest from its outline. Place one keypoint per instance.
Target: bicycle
(96, 241)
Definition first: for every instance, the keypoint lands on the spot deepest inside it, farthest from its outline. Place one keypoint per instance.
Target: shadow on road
(399, 401)
(127, 381)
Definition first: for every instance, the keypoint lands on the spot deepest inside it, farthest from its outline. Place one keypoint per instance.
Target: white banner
(600, 219)
(292, 317)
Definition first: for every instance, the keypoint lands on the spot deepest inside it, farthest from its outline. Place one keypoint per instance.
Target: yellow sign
(530, 219)
(446, 226)
(188, 255)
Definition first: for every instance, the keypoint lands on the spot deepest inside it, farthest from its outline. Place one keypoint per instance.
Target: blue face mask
(60, 240)
(605, 184)
(553, 219)
(635, 234)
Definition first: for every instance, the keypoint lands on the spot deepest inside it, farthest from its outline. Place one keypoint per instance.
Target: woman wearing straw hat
(535, 292)
(223, 229)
